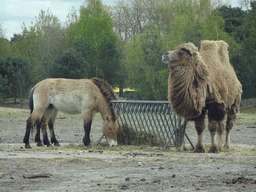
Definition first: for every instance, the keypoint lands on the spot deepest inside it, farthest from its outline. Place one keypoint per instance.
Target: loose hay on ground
(127, 136)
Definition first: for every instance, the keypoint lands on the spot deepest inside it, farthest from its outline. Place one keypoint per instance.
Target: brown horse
(71, 96)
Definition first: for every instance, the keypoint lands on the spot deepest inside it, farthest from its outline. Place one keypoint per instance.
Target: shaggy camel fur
(202, 82)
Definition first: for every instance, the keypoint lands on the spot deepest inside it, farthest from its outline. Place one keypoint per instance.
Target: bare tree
(132, 15)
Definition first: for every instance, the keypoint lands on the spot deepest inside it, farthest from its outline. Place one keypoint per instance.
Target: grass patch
(248, 109)
(246, 117)
(13, 113)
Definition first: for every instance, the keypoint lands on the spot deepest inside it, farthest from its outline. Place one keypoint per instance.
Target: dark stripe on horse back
(107, 92)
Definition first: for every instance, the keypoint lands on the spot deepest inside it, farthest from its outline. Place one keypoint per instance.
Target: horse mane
(107, 92)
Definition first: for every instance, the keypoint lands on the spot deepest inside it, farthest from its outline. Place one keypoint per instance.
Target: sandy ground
(90, 170)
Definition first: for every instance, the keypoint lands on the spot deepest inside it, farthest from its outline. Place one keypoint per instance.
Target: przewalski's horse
(71, 96)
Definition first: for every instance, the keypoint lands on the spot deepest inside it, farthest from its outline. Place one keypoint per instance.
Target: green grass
(13, 113)
(247, 117)
(249, 109)
(247, 114)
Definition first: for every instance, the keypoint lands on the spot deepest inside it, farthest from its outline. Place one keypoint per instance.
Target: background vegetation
(123, 44)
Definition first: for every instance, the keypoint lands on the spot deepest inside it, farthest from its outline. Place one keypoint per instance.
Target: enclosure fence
(153, 117)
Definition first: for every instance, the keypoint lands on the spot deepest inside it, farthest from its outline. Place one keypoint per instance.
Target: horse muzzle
(112, 143)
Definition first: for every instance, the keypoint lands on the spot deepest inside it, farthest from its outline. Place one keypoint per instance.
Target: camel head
(187, 84)
(181, 55)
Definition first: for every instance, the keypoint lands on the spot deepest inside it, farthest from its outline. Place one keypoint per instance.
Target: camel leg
(231, 118)
(200, 127)
(51, 130)
(212, 126)
(216, 115)
(220, 130)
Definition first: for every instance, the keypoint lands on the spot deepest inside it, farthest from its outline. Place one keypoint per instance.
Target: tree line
(123, 44)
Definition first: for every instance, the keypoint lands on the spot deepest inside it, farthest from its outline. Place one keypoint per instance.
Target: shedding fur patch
(188, 87)
(107, 92)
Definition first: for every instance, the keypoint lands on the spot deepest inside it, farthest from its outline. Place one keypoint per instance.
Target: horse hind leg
(231, 118)
(37, 137)
(35, 118)
(45, 120)
(44, 131)
(27, 133)
(51, 130)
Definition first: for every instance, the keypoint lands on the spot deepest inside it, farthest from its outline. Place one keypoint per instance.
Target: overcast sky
(14, 12)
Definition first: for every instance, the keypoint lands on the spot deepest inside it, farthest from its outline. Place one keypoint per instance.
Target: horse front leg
(88, 116)
(87, 130)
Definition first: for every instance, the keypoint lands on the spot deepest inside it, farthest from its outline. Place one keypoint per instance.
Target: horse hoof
(28, 146)
(49, 145)
(57, 144)
(86, 142)
(88, 146)
(40, 144)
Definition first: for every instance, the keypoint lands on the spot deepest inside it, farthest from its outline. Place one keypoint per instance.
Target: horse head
(110, 129)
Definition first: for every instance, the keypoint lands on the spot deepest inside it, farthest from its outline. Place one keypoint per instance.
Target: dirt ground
(92, 170)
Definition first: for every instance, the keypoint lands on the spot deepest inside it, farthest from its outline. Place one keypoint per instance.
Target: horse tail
(31, 101)
(31, 105)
